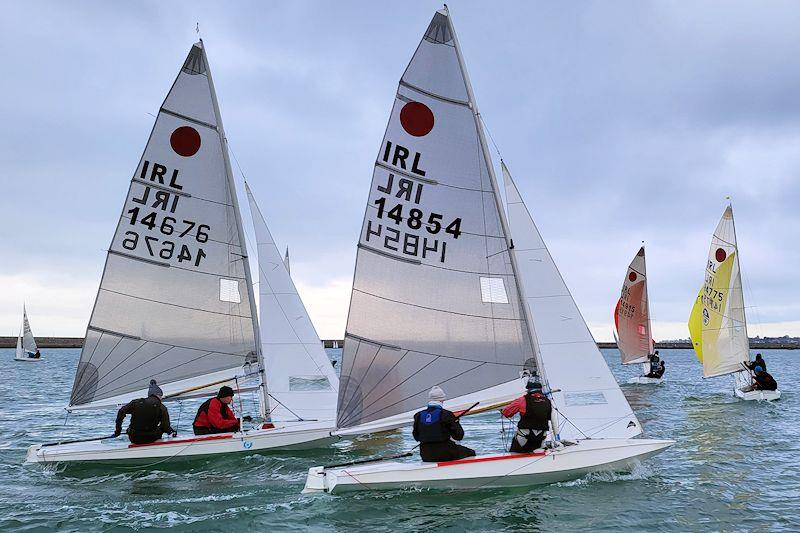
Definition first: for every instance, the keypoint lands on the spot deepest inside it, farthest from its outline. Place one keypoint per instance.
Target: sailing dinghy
(718, 323)
(443, 296)
(176, 301)
(26, 345)
(632, 320)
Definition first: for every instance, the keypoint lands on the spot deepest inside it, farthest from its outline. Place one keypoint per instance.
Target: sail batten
(174, 302)
(434, 290)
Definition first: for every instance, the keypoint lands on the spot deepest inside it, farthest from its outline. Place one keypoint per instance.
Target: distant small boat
(634, 333)
(718, 324)
(26, 345)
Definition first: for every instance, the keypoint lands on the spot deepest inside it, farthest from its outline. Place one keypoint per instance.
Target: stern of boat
(316, 480)
(758, 395)
(33, 455)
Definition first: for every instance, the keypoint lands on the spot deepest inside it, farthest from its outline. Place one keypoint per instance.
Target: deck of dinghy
(490, 458)
(203, 438)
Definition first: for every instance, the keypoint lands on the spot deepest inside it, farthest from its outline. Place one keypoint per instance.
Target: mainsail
(28, 342)
(588, 398)
(717, 324)
(300, 381)
(632, 314)
(435, 300)
(175, 301)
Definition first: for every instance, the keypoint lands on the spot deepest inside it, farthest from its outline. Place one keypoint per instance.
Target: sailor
(758, 362)
(762, 380)
(534, 411)
(658, 371)
(215, 414)
(434, 427)
(149, 417)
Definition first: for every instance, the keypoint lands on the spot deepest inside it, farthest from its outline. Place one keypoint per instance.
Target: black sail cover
(173, 303)
(435, 300)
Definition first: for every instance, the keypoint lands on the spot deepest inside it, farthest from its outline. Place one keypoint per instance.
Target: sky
(621, 122)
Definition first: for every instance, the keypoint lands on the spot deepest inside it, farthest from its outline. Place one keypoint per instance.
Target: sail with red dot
(632, 314)
(175, 300)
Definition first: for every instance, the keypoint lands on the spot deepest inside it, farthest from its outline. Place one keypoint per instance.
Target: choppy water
(734, 467)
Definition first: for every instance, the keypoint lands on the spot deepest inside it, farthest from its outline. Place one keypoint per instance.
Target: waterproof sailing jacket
(215, 415)
(149, 419)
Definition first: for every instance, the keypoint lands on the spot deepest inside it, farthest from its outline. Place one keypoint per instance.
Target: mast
(501, 212)
(647, 303)
(238, 215)
(739, 274)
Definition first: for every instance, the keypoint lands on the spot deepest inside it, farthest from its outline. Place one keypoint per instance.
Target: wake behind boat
(442, 295)
(26, 351)
(718, 322)
(176, 302)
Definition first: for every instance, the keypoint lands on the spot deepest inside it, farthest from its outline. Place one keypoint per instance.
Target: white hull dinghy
(718, 322)
(634, 334)
(297, 436)
(27, 350)
(176, 300)
(465, 307)
(490, 471)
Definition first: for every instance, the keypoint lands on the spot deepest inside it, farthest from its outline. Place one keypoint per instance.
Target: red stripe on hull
(493, 458)
(182, 441)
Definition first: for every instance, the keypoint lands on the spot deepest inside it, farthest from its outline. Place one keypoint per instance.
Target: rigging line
(413, 395)
(299, 418)
(492, 318)
(485, 127)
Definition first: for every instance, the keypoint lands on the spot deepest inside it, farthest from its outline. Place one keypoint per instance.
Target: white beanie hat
(436, 394)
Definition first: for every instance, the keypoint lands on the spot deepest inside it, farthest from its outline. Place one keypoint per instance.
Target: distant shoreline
(77, 342)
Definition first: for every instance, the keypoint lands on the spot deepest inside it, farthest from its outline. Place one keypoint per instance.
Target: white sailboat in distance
(443, 296)
(26, 351)
(176, 301)
(634, 334)
(718, 322)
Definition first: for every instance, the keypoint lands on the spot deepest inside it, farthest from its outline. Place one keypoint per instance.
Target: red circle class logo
(632, 276)
(720, 255)
(417, 119)
(185, 141)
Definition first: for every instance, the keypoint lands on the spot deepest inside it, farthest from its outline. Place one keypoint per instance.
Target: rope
(496, 149)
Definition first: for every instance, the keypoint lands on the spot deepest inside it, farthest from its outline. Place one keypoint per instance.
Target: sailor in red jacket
(534, 415)
(215, 415)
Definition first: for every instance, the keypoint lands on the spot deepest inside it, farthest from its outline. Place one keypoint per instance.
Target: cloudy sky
(621, 122)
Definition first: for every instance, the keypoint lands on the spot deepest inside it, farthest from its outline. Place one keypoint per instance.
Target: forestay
(590, 403)
(632, 314)
(301, 383)
(174, 302)
(717, 324)
(435, 300)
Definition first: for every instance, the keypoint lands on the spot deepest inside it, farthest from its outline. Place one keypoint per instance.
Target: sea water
(734, 467)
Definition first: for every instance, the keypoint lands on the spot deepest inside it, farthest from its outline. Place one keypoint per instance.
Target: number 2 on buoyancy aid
(146, 416)
(431, 428)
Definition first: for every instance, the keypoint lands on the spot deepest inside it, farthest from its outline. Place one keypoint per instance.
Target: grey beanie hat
(436, 394)
(154, 389)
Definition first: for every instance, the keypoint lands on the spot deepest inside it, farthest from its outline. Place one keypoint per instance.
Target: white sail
(718, 325)
(175, 301)
(589, 402)
(632, 314)
(19, 352)
(286, 261)
(28, 342)
(301, 382)
(435, 299)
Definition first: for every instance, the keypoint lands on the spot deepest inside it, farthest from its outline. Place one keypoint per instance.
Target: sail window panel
(191, 96)
(436, 332)
(450, 153)
(493, 291)
(202, 175)
(229, 291)
(165, 289)
(309, 383)
(435, 69)
(423, 287)
(574, 399)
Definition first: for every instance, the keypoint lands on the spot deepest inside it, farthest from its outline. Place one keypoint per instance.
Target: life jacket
(766, 381)
(431, 428)
(201, 418)
(146, 416)
(537, 412)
